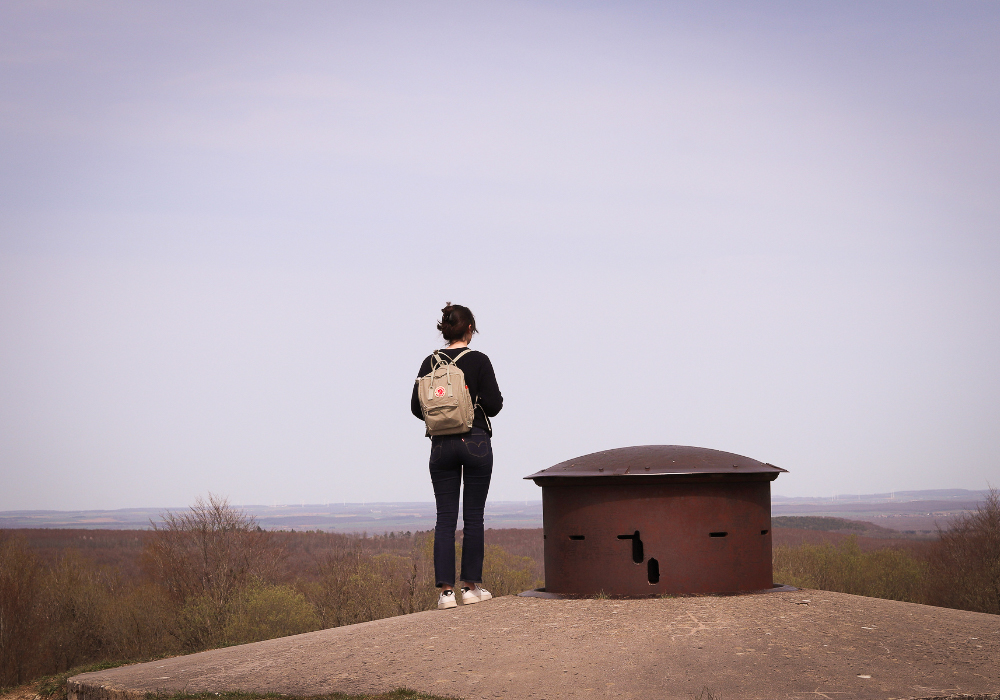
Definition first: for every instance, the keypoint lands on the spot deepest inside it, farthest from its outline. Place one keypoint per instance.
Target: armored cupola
(657, 519)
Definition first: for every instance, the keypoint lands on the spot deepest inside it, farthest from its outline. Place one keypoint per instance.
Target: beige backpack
(444, 397)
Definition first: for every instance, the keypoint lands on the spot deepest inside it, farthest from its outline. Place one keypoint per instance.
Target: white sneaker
(470, 596)
(447, 600)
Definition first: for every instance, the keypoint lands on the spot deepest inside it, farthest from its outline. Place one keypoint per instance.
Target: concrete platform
(806, 644)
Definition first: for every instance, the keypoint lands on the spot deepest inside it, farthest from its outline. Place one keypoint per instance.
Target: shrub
(965, 562)
(213, 549)
(205, 559)
(20, 575)
(139, 620)
(76, 602)
(357, 587)
(267, 612)
(508, 574)
(882, 573)
(198, 624)
(408, 580)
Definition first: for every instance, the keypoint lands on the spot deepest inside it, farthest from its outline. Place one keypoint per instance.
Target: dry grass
(398, 694)
(43, 690)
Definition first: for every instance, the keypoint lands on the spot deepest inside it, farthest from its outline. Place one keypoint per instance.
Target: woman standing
(468, 455)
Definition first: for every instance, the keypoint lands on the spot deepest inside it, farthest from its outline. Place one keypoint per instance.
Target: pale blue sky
(226, 230)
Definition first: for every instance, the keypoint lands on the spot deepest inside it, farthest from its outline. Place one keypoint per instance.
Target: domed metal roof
(653, 460)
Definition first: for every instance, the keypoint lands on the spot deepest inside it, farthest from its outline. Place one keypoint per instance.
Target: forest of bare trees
(205, 578)
(210, 577)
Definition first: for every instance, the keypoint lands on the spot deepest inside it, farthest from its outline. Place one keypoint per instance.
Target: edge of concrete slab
(78, 690)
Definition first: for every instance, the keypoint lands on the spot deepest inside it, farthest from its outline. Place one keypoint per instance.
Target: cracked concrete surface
(804, 644)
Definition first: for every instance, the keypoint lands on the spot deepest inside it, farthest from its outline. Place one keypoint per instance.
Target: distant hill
(897, 497)
(826, 524)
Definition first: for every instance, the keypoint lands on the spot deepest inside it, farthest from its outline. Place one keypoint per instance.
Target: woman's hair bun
(456, 321)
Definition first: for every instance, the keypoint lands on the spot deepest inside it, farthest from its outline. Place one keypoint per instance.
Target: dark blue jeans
(469, 455)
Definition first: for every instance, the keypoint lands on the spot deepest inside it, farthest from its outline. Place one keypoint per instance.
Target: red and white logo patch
(439, 392)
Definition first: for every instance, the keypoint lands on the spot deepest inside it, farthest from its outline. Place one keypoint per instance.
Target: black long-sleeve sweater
(480, 379)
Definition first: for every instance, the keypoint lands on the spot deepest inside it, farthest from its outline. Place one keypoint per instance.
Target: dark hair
(456, 321)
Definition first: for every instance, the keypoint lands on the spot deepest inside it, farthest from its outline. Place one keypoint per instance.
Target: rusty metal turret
(657, 519)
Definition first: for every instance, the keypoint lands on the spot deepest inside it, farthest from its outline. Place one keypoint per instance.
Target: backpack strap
(488, 425)
(436, 362)
(461, 355)
(454, 362)
(476, 405)
(439, 356)
(439, 359)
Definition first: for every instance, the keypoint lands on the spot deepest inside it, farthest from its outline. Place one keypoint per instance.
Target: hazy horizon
(913, 512)
(926, 493)
(226, 231)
